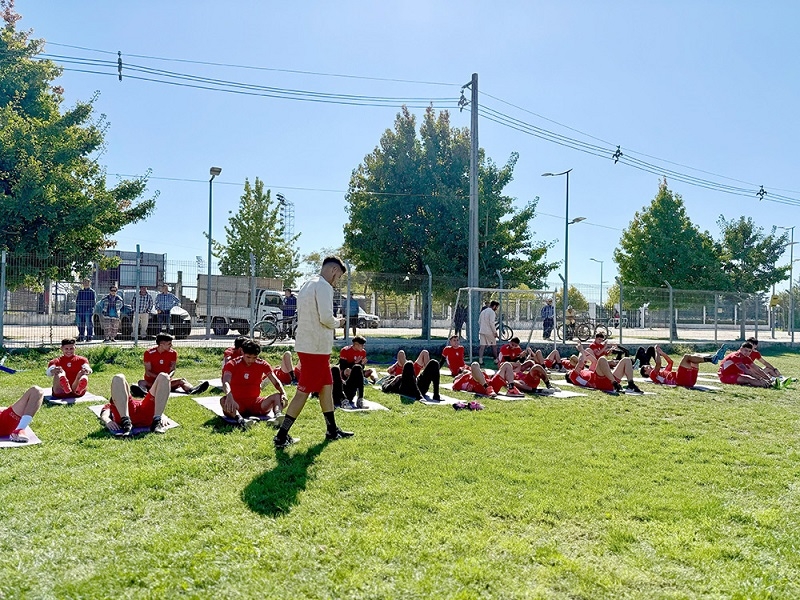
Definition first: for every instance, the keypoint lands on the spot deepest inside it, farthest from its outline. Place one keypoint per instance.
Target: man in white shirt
(315, 327)
(487, 332)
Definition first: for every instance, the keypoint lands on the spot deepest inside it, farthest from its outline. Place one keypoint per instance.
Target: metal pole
(472, 265)
(758, 301)
(430, 302)
(716, 316)
(136, 295)
(347, 311)
(619, 283)
(208, 275)
(3, 259)
(500, 310)
(671, 314)
(253, 308)
(566, 260)
(791, 291)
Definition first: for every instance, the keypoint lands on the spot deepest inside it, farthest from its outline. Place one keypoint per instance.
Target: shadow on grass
(274, 492)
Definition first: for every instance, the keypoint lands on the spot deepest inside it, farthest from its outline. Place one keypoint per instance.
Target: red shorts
(282, 375)
(729, 379)
(687, 377)
(141, 411)
(590, 379)
(254, 407)
(497, 383)
(548, 363)
(532, 379)
(9, 421)
(315, 372)
(467, 383)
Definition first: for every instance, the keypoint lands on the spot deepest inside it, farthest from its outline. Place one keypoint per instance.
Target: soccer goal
(519, 309)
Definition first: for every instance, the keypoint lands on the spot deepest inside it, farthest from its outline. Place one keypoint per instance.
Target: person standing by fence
(165, 301)
(111, 308)
(548, 313)
(84, 307)
(143, 305)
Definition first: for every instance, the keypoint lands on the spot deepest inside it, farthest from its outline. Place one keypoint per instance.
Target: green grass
(678, 495)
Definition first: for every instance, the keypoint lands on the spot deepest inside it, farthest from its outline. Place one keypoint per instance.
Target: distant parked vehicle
(180, 320)
(367, 320)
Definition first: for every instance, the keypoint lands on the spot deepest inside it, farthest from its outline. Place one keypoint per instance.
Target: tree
(662, 244)
(749, 258)
(409, 207)
(576, 299)
(256, 227)
(54, 199)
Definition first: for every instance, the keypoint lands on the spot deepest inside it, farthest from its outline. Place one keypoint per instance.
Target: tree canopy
(256, 227)
(749, 258)
(662, 244)
(54, 198)
(409, 207)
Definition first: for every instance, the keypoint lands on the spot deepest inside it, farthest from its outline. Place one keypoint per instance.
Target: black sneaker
(617, 387)
(158, 425)
(360, 403)
(633, 387)
(283, 442)
(338, 434)
(199, 388)
(137, 392)
(127, 425)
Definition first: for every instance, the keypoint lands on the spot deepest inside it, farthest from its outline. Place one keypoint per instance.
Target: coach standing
(315, 327)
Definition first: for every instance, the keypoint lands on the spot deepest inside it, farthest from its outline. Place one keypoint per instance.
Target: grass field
(675, 495)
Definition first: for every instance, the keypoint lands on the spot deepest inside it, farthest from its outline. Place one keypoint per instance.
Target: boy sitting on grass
(688, 369)
(124, 412)
(162, 358)
(70, 372)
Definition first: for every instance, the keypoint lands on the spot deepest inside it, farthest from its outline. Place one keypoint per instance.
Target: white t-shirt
(486, 322)
(315, 320)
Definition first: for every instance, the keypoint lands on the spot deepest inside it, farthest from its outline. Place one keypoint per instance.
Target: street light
(214, 171)
(567, 223)
(791, 276)
(601, 280)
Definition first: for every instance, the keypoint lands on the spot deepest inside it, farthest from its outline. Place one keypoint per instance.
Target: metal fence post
(135, 301)
(716, 316)
(758, 301)
(500, 311)
(347, 308)
(672, 327)
(621, 309)
(429, 325)
(2, 295)
(253, 308)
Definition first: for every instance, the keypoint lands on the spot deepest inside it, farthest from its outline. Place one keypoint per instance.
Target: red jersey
(351, 356)
(71, 365)
(160, 362)
(454, 357)
(598, 349)
(466, 383)
(509, 352)
(664, 377)
(531, 379)
(246, 379)
(755, 355)
(733, 364)
(231, 353)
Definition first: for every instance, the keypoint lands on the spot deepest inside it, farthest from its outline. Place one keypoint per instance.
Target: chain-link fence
(43, 302)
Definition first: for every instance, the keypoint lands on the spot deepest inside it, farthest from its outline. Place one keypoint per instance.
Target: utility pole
(472, 265)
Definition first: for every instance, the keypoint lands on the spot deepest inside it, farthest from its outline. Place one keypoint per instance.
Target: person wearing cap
(548, 315)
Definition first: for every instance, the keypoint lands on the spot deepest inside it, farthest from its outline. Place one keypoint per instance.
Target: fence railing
(37, 310)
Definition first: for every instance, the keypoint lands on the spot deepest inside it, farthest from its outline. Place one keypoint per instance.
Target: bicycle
(504, 332)
(579, 329)
(269, 330)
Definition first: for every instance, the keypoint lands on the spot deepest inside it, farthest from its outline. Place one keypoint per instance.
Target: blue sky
(710, 85)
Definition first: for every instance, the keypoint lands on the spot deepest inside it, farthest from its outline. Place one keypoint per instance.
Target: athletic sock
(283, 432)
(24, 421)
(330, 421)
(65, 386)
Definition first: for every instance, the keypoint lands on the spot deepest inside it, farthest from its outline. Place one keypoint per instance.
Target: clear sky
(711, 85)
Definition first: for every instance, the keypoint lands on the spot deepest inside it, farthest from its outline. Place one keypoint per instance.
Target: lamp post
(214, 171)
(601, 279)
(567, 223)
(791, 276)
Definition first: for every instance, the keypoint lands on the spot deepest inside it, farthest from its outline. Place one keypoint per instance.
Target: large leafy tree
(409, 207)
(256, 227)
(54, 198)
(662, 244)
(749, 257)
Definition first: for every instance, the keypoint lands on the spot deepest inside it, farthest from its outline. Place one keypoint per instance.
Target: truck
(232, 305)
